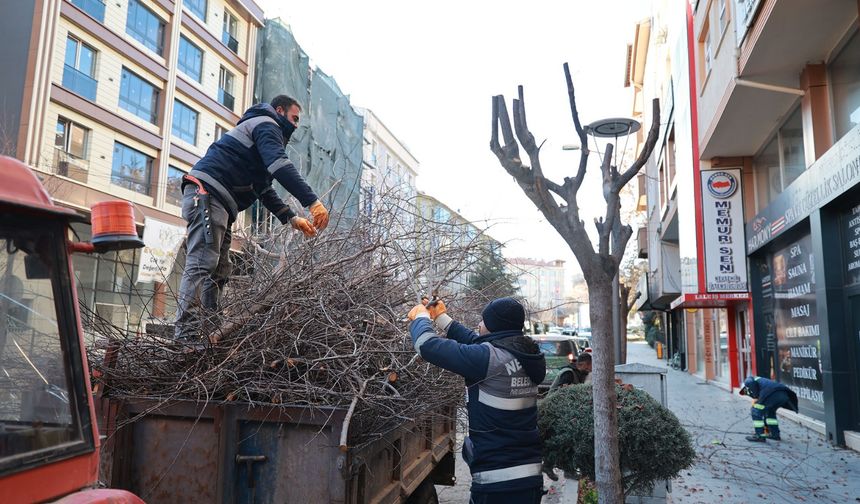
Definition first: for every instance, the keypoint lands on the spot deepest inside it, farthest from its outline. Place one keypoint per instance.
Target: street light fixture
(611, 129)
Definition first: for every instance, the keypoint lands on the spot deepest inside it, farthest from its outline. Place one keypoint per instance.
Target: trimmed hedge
(653, 444)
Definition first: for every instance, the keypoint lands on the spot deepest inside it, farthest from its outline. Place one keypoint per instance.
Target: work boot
(775, 438)
(755, 438)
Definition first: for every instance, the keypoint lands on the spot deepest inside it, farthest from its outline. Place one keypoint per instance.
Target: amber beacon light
(113, 226)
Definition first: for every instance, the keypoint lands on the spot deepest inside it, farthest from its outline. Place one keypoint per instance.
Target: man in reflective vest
(502, 368)
(768, 397)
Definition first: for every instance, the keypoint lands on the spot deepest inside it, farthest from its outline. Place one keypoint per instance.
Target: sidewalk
(801, 468)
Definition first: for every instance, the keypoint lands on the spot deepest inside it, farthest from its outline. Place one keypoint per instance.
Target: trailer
(192, 452)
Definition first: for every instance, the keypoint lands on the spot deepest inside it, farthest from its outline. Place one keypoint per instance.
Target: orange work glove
(320, 215)
(417, 311)
(437, 308)
(304, 226)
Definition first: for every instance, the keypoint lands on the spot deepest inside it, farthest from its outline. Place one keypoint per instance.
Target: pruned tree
(558, 203)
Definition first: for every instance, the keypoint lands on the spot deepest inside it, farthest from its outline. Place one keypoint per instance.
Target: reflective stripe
(421, 340)
(772, 421)
(504, 403)
(506, 474)
(243, 132)
(278, 164)
(758, 423)
(758, 406)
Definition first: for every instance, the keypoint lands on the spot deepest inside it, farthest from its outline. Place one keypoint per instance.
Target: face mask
(287, 128)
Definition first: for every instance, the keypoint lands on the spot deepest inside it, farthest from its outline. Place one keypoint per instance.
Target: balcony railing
(68, 165)
(95, 8)
(78, 82)
(230, 42)
(226, 99)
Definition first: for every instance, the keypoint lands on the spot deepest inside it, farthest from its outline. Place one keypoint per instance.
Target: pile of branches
(312, 322)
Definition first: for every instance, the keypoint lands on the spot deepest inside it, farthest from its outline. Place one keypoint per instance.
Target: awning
(708, 300)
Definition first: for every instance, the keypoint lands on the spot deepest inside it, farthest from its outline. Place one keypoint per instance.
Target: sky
(428, 70)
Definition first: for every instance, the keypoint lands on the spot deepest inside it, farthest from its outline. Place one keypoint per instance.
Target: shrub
(653, 444)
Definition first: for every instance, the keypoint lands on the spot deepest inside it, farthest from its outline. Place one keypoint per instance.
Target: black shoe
(775, 438)
(755, 438)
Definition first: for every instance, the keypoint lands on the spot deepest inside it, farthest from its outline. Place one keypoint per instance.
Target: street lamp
(611, 129)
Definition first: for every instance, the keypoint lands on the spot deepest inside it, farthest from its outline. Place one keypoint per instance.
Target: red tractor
(49, 440)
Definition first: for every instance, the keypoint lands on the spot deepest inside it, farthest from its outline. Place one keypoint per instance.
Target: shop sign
(851, 240)
(834, 173)
(161, 244)
(745, 12)
(723, 216)
(795, 323)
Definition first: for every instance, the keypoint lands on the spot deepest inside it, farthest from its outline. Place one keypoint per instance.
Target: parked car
(559, 351)
(568, 331)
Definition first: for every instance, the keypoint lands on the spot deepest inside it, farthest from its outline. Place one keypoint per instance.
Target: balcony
(230, 42)
(95, 8)
(80, 83)
(69, 166)
(226, 99)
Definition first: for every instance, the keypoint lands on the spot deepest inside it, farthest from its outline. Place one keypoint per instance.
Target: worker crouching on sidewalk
(768, 397)
(237, 170)
(502, 368)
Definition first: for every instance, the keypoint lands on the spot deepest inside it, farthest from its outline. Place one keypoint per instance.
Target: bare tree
(599, 267)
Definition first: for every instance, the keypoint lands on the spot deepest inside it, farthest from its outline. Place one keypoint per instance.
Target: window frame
(181, 66)
(153, 116)
(70, 342)
(178, 133)
(155, 46)
(69, 124)
(149, 166)
(780, 151)
(196, 9)
(167, 191)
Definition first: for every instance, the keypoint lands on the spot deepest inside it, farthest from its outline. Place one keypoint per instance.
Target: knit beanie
(504, 314)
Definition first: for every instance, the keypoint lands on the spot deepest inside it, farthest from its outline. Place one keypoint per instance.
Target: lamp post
(612, 129)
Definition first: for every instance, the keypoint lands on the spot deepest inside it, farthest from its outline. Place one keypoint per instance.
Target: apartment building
(119, 99)
(388, 167)
(768, 250)
(541, 283)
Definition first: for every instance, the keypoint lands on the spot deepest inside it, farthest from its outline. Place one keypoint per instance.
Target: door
(854, 314)
(744, 345)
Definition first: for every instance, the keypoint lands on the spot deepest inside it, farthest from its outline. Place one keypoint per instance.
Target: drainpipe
(768, 87)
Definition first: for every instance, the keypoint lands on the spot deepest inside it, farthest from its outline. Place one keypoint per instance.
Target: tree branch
(576, 182)
(650, 142)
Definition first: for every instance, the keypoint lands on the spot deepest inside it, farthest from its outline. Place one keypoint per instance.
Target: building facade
(769, 253)
(541, 283)
(119, 100)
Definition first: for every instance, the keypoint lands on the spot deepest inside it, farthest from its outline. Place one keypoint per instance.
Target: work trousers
(207, 265)
(764, 413)
(528, 496)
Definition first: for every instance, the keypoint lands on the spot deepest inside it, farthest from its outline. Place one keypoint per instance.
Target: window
(174, 185)
(184, 122)
(228, 37)
(781, 161)
(95, 8)
(225, 88)
(40, 406)
(190, 59)
(79, 68)
(145, 27)
(845, 83)
(132, 169)
(197, 7)
(707, 52)
(72, 138)
(138, 96)
(373, 148)
(219, 132)
(722, 15)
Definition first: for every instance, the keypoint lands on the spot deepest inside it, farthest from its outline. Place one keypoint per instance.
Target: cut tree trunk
(607, 469)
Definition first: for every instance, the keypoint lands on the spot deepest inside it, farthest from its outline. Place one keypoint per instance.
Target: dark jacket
(239, 168)
(502, 372)
(763, 390)
(569, 375)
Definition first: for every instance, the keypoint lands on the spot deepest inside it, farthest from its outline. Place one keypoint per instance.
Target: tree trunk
(607, 459)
